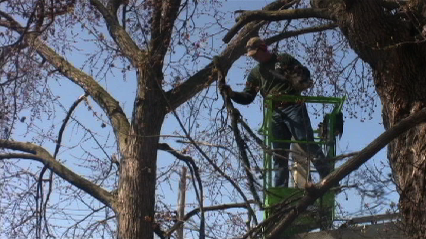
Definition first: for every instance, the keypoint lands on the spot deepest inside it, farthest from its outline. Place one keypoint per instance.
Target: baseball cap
(254, 44)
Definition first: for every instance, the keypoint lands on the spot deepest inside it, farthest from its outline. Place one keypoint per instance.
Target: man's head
(257, 49)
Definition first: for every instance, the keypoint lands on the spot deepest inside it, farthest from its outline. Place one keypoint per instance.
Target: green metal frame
(274, 195)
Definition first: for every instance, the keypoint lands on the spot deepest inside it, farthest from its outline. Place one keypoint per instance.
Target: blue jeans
(293, 120)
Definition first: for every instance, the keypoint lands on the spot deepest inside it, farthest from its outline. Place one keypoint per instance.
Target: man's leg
(298, 122)
(280, 132)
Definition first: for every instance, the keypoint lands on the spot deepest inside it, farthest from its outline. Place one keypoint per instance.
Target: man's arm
(246, 96)
(243, 98)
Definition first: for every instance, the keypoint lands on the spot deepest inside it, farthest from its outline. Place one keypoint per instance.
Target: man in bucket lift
(281, 74)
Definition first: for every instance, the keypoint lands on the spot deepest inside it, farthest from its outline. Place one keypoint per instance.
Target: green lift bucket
(320, 215)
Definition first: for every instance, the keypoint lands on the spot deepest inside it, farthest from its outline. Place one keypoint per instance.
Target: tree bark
(398, 59)
(136, 195)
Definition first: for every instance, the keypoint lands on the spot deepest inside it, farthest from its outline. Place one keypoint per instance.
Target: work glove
(226, 89)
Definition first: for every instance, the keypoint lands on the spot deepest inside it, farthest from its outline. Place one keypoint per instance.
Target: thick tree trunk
(387, 42)
(407, 154)
(138, 165)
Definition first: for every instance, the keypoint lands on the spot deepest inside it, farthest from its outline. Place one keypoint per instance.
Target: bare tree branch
(211, 208)
(84, 218)
(250, 16)
(41, 206)
(167, 148)
(113, 6)
(39, 154)
(235, 116)
(124, 41)
(110, 105)
(233, 51)
(298, 32)
(194, 170)
(67, 117)
(164, 16)
(168, 14)
(156, 8)
(190, 87)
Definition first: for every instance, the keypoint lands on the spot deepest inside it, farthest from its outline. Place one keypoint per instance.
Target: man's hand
(226, 89)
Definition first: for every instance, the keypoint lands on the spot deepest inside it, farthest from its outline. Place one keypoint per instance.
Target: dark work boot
(322, 166)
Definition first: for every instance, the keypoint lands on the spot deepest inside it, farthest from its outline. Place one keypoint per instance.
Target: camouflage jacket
(261, 79)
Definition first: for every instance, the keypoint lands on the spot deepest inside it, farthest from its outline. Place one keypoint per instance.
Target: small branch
(167, 14)
(37, 153)
(277, 5)
(278, 211)
(42, 206)
(343, 156)
(67, 117)
(209, 145)
(84, 218)
(160, 233)
(194, 170)
(204, 143)
(289, 34)
(128, 47)
(96, 140)
(235, 116)
(252, 134)
(260, 142)
(106, 101)
(167, 148)
(211, 208)
(156, 10)
(286, 14)
(113, 6)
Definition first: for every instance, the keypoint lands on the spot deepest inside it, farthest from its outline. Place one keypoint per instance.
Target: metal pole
(181, 201)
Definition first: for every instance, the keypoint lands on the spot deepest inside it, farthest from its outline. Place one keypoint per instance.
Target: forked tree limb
(235, 116)
(41, 201)
(128, 47)
(105, 100)
(38, 153)
(186, 158)
(195, 174)
(209, 208)
(279, 15)
(299, 32)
